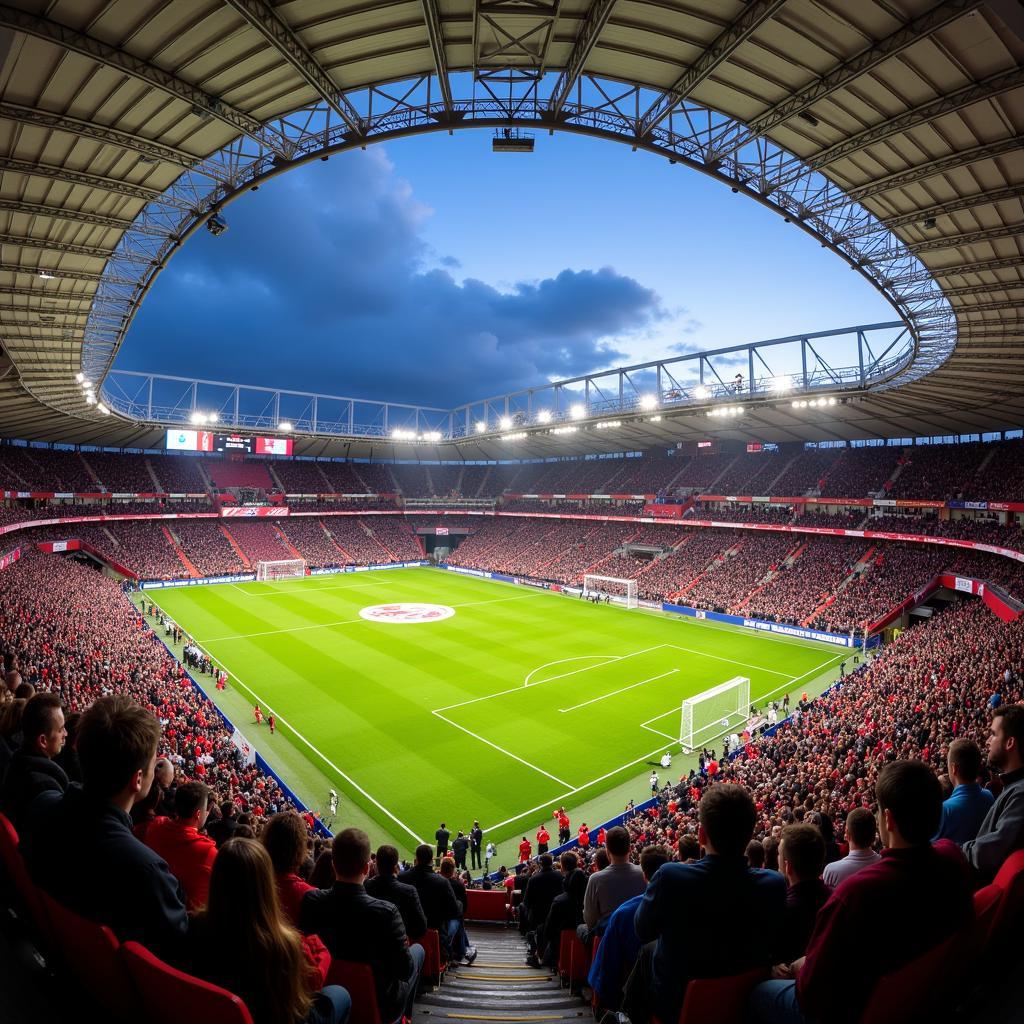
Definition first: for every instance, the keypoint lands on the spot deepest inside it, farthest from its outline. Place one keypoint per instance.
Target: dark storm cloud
(324, 282)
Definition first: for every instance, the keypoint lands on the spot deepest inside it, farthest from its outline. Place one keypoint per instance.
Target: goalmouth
(714, 713)
(284, 569)
(619, 590)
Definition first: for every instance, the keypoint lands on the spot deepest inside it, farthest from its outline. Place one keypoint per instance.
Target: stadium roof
(892, 132)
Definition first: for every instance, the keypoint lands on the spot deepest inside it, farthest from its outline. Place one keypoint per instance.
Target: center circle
(406, 612)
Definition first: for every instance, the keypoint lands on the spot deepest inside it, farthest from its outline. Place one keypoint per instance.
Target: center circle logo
(406, 612)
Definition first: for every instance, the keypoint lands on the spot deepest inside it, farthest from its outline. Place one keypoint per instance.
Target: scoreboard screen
(207, 441)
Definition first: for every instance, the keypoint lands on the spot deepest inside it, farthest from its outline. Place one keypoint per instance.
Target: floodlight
(655, 419)
(432, 435)
(577, 412)
(544, 416)
(80, 377)
(481, 427)
(103, 409)
(45, 276)
(505, 422)
(284, 425)
(648, 402)
(831, 401)
(91, 399)
(197, 418)
(700, 393)
(779, 384)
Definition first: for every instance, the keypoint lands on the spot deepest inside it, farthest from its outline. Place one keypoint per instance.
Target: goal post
(619, 590)
(283, 569)
(713, 713)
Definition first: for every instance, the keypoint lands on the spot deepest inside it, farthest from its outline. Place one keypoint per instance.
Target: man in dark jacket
(457, 936)
(565, 914)
(32, 772)
(386, 886)
(356, 927)
(221, 830)
(541, 890)
(116, 879)
(436, 896)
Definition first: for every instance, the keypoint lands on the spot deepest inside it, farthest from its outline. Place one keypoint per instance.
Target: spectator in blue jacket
(965, 809)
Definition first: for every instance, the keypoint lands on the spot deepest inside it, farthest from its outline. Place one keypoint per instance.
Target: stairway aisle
(500, 987)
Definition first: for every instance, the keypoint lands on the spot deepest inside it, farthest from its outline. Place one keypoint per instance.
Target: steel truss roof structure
(889, 131)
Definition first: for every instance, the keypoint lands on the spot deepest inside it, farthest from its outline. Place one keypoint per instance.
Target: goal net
(619, 590)
(715, 712)
(285, 569)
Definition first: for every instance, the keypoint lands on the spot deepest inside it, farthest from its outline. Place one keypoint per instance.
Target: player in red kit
(584, 836)
(271, 721)
(563, 827)
(543, 838)
(525, 850)
(257, 714)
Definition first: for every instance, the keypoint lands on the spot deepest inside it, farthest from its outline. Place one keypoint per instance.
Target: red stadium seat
(1010, 881)
(486, 905)
(573, 958)
(89, 953)
(719, 999)
(917, 990)
(24, 890)
(169, 996)
(433, 963)
(358, 981)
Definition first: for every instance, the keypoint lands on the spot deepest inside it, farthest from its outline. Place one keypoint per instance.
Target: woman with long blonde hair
(243, 943)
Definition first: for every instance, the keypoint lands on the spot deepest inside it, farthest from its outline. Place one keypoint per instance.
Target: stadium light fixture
(578, 411)
(654, 419)
(544, 416)
(45, 276)
(80, 377)
(701, 393)
(432, 435)
(780, 384)
(103, 409)
(90, 399)
(284, 425)
(648, 402)
(481, 427)
(505, 422)
(519, 435)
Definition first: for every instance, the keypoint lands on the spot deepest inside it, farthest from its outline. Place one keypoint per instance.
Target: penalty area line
(323, 757)
(632, 686)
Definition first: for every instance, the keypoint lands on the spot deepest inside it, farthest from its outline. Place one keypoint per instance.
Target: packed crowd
(727, 585)
(206, 546)
(259, 541)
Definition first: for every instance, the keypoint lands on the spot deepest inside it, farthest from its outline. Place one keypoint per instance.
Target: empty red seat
(23, 889)
(433, 963)
(719, 999)
(573, 958)
(358, 981)
(486, 905)
(170, 996)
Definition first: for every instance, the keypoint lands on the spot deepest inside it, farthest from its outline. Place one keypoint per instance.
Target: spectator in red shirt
(882, 917)
(286, 839)
(584, 836)
(189, 854)
(602, 835)
(525, 850)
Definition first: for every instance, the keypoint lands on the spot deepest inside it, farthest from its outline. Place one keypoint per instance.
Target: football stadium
(492, 574)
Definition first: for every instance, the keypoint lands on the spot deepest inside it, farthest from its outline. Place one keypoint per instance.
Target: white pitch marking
(323, 757)
(730, 661)
(501, 750)
(575, 671)
(311, 590)
(605, 696)
(340, 622)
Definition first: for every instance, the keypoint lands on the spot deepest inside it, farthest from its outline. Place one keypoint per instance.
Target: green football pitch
(508, 703)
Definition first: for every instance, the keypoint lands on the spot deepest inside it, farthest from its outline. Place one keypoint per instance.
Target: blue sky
(434, 271)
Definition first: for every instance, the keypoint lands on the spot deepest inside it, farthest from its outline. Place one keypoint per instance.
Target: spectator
(386, 886)
(1002, 831)
(719, 887)
(541, 889)
(243, 943)
(802, 857)
(436, 896)
(608, 889)
(33, 773)
(354, 926)
(221, 830)
(921, 893)
(619, 947)
(116, 879)
(178, 840)
(286, 839)
(860, 835)
(965, 809)
(566, 912)
(461, 948)
(755, 854)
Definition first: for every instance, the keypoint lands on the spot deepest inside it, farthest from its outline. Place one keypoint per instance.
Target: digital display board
(207, 441)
